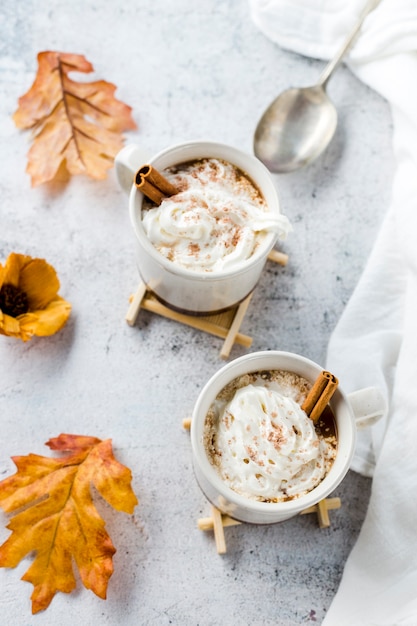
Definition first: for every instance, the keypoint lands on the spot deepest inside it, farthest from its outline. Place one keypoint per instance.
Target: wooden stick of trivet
(207, 523)
(234, 328)
(217, 522)
(319, 395)
(186, 423)
(278, 257)
(134, 306)
(323, 514)
(322, 509)
(200, 323)
(218, 531)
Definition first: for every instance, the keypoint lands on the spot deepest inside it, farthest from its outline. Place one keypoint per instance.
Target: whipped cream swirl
(266, 447)
(216, 220)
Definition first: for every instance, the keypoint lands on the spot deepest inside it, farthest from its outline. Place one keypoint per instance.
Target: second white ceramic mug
(360, 408)
(178, 287)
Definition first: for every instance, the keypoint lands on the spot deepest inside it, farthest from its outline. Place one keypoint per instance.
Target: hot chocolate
(216, 221)
(262, 443)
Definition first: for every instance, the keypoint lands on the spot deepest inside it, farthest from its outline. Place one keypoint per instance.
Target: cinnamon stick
(157, 180)
(153, 184)
(319, 395)
(148, 190)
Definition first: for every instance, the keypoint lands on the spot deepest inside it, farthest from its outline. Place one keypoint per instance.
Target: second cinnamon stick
(319, 395)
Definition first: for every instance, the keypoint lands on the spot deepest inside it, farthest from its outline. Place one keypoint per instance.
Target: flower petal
(39, 281)
(14, 264)
(10, 327)
(2, 275)
(46, 321)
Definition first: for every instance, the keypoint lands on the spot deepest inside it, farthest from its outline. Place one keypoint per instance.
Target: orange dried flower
(29, 300)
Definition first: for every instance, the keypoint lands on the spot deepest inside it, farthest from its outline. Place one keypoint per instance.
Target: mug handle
(368, 406)
(127, 162)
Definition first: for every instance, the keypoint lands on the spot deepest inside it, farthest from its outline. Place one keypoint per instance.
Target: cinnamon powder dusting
(276, 438)
(194, 249)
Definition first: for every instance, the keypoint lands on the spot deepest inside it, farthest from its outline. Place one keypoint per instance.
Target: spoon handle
(330, 67)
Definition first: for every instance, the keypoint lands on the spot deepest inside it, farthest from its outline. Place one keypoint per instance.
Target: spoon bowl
(295, 129)
(299, 124)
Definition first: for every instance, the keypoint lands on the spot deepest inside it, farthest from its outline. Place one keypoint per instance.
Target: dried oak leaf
(76, 125)
(56, 517)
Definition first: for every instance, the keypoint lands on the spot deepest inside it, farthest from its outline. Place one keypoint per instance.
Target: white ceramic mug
(178, 287)
(359, 408)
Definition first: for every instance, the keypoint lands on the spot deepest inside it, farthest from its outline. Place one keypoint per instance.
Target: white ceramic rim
(347, 429)
(208, 148)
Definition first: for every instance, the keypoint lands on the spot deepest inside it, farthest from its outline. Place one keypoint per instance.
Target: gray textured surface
(188, 73)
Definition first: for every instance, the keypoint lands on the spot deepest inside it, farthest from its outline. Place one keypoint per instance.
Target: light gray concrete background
(189, 70)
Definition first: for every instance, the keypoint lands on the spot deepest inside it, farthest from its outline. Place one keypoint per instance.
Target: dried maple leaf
(57, 518)
(75, 124)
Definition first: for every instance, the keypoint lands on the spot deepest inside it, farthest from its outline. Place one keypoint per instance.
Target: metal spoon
(299, 124)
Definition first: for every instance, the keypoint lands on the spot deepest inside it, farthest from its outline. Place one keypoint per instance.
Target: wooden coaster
(225, 325)
(218, 521)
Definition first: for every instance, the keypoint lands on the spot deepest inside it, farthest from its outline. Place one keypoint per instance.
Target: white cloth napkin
(375, 341)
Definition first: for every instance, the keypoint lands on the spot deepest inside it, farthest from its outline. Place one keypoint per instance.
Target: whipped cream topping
(265, 447)
(216, 220)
